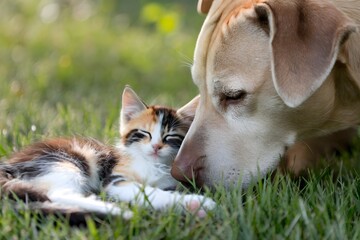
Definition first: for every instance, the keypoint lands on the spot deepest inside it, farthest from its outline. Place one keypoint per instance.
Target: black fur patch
(42, 165)
(106, 163)
(135, 135)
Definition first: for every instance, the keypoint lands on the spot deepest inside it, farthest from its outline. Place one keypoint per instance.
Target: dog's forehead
(214, 60)
(220, 85)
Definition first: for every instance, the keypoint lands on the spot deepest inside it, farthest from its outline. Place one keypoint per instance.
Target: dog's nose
(182, 170)
(188, 164)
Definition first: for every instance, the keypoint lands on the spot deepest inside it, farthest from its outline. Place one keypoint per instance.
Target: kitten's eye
(136, 135)
(232, 97)
(144, 133)
(173, 140)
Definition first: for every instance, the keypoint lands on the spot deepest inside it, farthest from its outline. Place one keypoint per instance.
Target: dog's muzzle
(188, 166)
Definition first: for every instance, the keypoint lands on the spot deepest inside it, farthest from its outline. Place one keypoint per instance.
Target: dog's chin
(236, 176)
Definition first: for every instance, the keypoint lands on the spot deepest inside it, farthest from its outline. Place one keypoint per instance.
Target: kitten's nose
(156, 147)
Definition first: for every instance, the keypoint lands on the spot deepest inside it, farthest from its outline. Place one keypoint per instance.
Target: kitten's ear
(132, 105)
(188, 111)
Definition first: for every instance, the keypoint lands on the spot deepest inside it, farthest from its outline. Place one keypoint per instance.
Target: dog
(278, 79)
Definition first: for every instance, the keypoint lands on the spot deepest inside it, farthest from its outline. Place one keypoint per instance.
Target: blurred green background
(64, 63)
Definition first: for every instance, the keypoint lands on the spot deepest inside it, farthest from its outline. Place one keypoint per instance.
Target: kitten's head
(153, 133)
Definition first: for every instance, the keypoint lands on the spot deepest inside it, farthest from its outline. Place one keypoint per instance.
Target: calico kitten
(67, 173)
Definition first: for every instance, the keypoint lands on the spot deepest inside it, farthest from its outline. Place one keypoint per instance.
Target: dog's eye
(233, 97)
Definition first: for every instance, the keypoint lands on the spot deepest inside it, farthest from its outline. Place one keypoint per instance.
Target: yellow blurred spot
(168, 23)
(152, 12)
(65, 61)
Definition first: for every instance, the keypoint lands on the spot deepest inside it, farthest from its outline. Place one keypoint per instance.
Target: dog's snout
(181, 172)
(188, 165)
(190, 172)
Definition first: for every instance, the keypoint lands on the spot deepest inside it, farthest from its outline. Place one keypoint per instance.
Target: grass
(64, 76)
(326, 207)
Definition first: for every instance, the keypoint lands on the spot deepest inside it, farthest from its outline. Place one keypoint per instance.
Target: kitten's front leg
(139, 194)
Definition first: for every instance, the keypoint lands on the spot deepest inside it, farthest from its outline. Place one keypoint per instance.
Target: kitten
(67, 173)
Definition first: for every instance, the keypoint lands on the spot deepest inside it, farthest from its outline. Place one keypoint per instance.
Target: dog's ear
(305, 37)
(187, 111)
(204, 6)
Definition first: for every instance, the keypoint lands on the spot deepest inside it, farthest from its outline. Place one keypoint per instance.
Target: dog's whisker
(186, 61)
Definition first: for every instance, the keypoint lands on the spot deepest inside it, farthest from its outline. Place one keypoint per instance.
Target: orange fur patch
(146, 121)
(237, 10)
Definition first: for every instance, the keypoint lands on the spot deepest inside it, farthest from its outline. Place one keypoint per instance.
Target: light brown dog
(277, 79)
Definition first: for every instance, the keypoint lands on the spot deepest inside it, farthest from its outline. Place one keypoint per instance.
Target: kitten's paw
(198, 204)
(117, 211)
(126, 214)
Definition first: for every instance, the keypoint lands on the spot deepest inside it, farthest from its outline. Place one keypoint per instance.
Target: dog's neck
(335, 106)
(346, 111)
(346, 75)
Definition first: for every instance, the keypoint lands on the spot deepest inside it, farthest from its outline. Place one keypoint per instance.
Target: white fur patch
(158, 199)
(91, 204)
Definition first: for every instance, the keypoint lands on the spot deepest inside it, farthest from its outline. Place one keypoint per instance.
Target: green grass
(65, 77)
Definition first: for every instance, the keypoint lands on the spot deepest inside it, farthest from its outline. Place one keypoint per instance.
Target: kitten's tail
(75, 208)
(75, 216)
(15, 189)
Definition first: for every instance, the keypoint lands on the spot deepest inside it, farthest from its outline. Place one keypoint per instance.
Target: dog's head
(258, 65)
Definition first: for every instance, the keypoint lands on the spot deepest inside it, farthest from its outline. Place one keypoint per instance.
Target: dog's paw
(198, 204)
